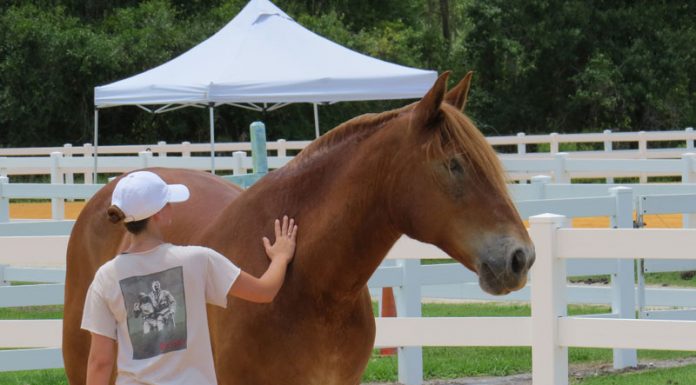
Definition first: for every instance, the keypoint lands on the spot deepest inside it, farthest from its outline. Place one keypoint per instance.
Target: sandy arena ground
(72, 210)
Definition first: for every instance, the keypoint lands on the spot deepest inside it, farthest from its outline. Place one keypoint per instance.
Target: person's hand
(284, 246)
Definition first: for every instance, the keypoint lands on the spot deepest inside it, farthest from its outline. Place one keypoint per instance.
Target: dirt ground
(576, 372)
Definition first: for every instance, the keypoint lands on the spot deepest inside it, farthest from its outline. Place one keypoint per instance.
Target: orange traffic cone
(388, 310)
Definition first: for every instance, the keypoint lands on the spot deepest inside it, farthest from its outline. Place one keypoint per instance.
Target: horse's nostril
(519, 261)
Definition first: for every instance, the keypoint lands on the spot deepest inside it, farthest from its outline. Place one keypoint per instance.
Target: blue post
(259, 155)
(408, 304)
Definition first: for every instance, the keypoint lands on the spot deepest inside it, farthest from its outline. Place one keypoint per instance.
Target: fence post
(69, 176)
(57, 204)
(145, 158)
(553, 143)
(238, 162)
(259, 154)
(186, 151)
(89, 177)
(408, 304)
(4, 201)
(623, 300)
(540, 182)
(608, 147)
(689, 140)
(521, 147)
(688, 176)
(282, 148)
(560, 174)
(3, 281)
(3, 166)
(643, 152)
(549, 302)
(162, 151)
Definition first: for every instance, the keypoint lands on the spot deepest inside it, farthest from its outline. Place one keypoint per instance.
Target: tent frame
(211, 117)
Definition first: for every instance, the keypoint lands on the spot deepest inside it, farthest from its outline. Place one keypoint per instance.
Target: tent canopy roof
(263, 56)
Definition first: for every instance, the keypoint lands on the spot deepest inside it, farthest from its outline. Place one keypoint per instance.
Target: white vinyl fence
(521, 165)
(548, 331)
(648, 146)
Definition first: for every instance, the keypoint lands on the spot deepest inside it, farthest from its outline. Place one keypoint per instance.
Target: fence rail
(553, 143)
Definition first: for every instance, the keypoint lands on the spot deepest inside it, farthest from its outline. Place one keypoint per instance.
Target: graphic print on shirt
(156, 308)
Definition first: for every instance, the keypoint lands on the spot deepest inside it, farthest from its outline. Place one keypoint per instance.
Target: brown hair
(116, 215)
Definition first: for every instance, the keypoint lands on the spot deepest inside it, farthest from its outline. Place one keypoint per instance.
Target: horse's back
(94, 240)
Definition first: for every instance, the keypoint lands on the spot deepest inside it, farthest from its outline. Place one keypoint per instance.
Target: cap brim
(178, 193)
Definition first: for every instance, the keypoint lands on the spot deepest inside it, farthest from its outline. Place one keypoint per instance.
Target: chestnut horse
(423, 170)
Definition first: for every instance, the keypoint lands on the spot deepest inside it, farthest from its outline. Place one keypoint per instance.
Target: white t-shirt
(153, 304)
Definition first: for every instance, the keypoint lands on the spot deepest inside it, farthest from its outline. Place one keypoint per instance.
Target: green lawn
(439, 363)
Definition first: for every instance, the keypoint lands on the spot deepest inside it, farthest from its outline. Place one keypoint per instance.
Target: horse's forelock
(457, 135)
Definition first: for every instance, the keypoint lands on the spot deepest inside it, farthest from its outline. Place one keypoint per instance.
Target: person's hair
(116, 215)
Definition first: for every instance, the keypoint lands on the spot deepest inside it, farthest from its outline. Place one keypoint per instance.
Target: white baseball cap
(142, 194)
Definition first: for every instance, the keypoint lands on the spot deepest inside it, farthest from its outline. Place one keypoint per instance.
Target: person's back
(152, 298)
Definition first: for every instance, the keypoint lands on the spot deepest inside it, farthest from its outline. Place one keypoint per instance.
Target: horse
(423, 170)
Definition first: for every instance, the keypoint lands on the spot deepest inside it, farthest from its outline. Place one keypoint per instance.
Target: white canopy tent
(262, 60)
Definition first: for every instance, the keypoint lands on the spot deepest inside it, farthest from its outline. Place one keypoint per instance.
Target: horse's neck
(344, 228)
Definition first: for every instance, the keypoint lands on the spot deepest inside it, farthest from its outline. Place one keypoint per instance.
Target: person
(144, 350)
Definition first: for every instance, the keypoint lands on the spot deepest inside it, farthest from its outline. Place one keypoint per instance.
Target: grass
(438, 362)
(34, 377)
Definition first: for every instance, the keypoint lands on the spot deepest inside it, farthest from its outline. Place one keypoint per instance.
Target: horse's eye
(454, 166)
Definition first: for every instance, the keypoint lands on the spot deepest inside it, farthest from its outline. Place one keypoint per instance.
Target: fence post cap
(620, 190)
(521, 134)
(547, 218)
(689, 129)
(257, 124)
(4, 180)
(606, 132)
(540, 179)
(56, 154)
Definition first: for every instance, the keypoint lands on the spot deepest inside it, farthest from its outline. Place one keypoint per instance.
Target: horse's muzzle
(503, 266)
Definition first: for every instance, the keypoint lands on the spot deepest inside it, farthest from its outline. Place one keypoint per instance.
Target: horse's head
(448, 189)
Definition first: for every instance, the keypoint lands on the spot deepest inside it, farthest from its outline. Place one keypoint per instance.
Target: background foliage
(541, 65)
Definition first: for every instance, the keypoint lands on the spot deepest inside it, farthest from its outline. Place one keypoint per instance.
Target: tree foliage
(541, 65)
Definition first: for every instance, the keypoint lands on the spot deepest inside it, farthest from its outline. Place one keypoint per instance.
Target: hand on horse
(284, 246)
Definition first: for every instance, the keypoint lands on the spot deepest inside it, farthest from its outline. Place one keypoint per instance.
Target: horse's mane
(355, 128)
(457, 135)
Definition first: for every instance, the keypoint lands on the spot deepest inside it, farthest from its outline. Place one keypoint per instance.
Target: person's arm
(265, 288)
(100, 364)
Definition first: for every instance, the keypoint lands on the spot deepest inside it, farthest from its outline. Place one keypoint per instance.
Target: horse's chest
(302, 342)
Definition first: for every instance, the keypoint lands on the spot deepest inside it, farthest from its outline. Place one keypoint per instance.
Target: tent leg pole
(212, 138)
(96, 144)
(316, 119)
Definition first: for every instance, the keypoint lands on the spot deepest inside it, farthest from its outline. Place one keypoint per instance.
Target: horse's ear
(427, 110)
(458, 95)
